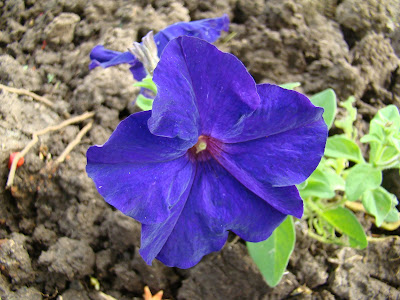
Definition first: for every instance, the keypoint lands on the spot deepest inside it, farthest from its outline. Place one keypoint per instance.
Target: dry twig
(35, 139)
(28, 93)
(75, 142)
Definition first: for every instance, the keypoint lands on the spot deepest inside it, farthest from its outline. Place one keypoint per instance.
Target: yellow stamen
(201, 146)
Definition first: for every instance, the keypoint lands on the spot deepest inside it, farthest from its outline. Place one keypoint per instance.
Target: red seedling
(12, 156)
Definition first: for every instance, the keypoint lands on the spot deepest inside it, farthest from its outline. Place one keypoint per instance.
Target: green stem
(378, 155)
(323, 239)
(314, 207)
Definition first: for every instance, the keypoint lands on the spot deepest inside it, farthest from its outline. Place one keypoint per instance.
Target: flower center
(201, 144)
(205, 148)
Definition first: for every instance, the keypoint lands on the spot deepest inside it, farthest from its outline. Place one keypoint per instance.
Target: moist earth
(58, 236)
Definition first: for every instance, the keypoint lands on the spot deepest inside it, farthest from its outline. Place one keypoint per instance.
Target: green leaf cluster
(384, 138)
(334, 183)
(342, 177)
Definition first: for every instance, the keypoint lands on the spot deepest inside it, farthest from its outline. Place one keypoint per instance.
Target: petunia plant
(216, 153)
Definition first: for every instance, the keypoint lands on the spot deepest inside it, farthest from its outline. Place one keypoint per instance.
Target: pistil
(205, 148)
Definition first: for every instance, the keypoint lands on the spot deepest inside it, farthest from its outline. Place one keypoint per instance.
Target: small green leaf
(389, 154)
(302, 185)
(395, 141)
(290, 85)
(327, 100)
(346, 123)
(272, 255)
(337, 164)
(147, 83)
(144, 103)
(336, 182)
(50, 78)
(322, 183)
(389, 116)
(346, 223)
(385, 124)
(317, 189)
(361, 178)
(368, 138)
(339, 146)
(384, 138)
(378, 203)
(392, 216)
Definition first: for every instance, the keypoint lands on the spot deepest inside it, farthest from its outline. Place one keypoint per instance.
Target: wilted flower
(206, 29)
(216, 153)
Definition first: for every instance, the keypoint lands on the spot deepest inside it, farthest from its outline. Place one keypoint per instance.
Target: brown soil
(56, 231)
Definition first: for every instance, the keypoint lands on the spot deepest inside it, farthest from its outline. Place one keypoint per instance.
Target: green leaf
(327, 100)
(337, 164)
(389, 116)
(147, 83)
(336, 182)
(368, 138)
(272, 256)
(346, 223)
(317, 189)
(144, 103)
(392, 216)
(378, 203)
(346, 123)
(339, 146)
(322, 183)
(384, 138)
(290, 85)
(361, 178)
(395, 141)
(389, 154)
(302, 185)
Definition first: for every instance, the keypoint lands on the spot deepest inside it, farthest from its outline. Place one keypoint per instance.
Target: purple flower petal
(101, 54)
(140, 174)
(201, 90)
(285, 199)
(206, 29)
(288, 155)
(154, 236)
(107, 58)
(217, 203)
(281, 110)
(138, 71)
(132, 142)
(282, 159)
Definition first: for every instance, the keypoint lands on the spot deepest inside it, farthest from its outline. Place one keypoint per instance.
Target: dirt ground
(57, 233)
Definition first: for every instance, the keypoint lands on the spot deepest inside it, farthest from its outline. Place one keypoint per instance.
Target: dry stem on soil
(28, 93)
(35, 139)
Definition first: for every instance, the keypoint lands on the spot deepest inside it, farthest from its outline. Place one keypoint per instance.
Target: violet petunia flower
(206, 29)
(217, 153)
